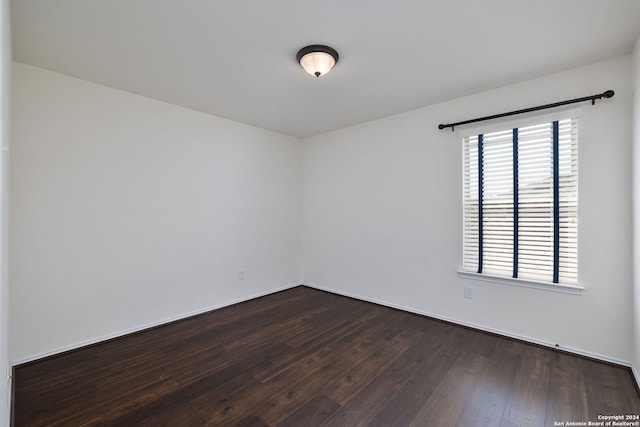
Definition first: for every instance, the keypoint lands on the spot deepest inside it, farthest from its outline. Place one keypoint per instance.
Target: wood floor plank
(233, 408)
(287, 401)
(404, 405)
(368, 401)
(251, 421)
(284, 393)
(567, 397)
(486, 402)
(320, 338)
(343, 387)
(445, 406)
(527, 402)
(188, 405)
(305, 357)
(312, 413)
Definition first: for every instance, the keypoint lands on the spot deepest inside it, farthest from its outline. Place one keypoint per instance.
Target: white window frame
(496, 126)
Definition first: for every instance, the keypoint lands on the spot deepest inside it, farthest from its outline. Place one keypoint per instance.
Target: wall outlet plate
(468, 292)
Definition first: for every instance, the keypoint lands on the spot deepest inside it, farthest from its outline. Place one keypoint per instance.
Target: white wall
(636, 209)
(5, 83)
(128, 212)
(382, 216)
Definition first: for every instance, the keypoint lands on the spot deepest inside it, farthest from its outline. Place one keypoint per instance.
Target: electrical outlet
(241, 274)
(468, 292)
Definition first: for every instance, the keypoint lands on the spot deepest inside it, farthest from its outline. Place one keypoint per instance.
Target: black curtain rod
(592, 98)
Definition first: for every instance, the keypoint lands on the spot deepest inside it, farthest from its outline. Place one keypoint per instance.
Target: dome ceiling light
(317, 59)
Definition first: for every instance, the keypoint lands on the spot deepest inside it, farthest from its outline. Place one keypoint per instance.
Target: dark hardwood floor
(304, 357)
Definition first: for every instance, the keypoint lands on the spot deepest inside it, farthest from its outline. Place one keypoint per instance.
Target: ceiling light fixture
(317, 59)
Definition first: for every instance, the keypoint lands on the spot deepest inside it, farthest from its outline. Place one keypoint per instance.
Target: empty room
(304, 213)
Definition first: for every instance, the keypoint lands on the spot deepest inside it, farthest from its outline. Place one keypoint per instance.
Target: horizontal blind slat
(535, 202)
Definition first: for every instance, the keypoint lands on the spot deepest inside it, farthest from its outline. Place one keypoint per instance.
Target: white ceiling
(236, 58)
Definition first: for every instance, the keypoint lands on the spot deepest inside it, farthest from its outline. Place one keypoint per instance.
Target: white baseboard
(579, 352)
(9, 402)
(636, 374)
(146, 326)
(576, 351)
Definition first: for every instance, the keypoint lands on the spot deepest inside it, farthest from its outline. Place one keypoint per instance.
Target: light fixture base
(317, 59)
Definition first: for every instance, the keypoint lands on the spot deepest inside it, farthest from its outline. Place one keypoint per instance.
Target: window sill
(554, 287)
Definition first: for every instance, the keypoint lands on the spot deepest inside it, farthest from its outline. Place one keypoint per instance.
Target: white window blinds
(521, 202)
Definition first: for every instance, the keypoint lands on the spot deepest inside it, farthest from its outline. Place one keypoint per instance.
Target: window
(521, 203)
